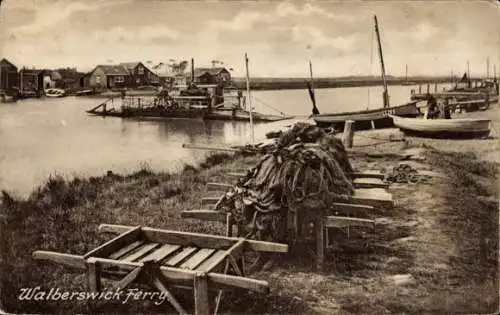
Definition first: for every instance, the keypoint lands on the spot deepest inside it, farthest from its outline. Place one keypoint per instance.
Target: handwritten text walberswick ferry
(55, 294)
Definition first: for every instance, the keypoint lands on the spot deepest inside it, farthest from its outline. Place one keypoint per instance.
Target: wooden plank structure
(349, 211)
(166, 259)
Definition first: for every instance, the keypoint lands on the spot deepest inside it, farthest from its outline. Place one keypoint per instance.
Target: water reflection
(40, 137)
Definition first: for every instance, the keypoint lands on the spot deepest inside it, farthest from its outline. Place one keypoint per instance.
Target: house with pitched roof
(108, 77)
(214, 75)
(8, 75)
(140, 75)
(68, 78)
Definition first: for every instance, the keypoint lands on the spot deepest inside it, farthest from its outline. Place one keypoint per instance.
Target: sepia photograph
(249, 157)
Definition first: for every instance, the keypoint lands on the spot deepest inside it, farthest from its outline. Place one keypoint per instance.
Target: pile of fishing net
(306, 170)
(404, 173)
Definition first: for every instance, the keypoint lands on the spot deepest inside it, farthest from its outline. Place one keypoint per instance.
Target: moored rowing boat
(443, 128)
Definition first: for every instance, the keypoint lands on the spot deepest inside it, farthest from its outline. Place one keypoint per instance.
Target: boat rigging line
(269, 106)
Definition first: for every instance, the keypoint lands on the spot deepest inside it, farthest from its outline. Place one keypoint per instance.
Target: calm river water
(44, 137)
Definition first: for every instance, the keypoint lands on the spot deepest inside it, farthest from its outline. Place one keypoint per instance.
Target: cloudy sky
(432, 37)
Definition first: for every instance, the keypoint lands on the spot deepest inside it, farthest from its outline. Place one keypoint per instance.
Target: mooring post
(428, 87)
(348, 133)
(435, 87)
(419, 88)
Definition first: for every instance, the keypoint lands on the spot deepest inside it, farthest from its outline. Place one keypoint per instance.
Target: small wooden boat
(55, 92)
(86, 93)
(443, 128)
(367, 119)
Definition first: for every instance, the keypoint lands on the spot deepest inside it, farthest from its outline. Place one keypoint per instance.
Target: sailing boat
(406, 82)
(369, 119)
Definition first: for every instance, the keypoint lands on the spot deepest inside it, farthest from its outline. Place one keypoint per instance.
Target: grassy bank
(439, 233)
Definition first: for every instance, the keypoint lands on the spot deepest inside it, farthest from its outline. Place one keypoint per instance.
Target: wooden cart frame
(370, 194)
(164, 258)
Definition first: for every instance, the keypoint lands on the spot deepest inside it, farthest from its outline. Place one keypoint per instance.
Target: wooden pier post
(419, 88)
(435, 87)
(428, 87)
(348, 133)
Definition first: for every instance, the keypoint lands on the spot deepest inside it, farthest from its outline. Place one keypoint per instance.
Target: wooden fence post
(348, 133)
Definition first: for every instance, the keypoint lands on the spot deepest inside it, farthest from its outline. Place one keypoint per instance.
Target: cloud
(139, 35)
(51, 13)
(314, 37)
(285, 9)
(243, 21)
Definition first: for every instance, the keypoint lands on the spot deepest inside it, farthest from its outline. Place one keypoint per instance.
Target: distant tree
(178, 67)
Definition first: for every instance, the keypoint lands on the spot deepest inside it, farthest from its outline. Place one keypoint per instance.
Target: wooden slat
(126, 249)
(227, 281)
(369, 174)
(73, 261)
(237, 249)
(212, 262)
(236, 174)
(206, 215)
(143, 250)
(219, 186)
(373, 197)
(209, 200)
(195, 260)
(180, 256)
(160, 253)
(115, 244)
(352, 208)
(185, 277)
(341, 222)
(369, 183)
(197, 239)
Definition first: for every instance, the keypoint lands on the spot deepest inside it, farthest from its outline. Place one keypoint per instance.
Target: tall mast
(386, 94)
(487, 68)
(311, 74)
(406, 73)
(249, 99)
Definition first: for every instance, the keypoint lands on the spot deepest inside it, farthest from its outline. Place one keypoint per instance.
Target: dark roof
(113, 70)
(212, 71)
(67, 73)
(129, 65)
(5, 61)
(35, 71)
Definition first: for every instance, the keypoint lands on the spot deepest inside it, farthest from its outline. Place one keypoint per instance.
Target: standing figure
(432, 108)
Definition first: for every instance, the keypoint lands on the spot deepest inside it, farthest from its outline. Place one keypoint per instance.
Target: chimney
(192, 70)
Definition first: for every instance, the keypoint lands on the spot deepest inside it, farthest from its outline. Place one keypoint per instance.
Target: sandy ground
(436, 252)
(486, 149)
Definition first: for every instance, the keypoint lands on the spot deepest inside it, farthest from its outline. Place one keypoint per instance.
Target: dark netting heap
(306, 168)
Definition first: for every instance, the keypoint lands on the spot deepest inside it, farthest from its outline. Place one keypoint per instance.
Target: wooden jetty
(163, 258)
(193, 107)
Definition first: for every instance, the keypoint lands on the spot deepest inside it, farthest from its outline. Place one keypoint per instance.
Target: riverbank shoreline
(439, 233)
